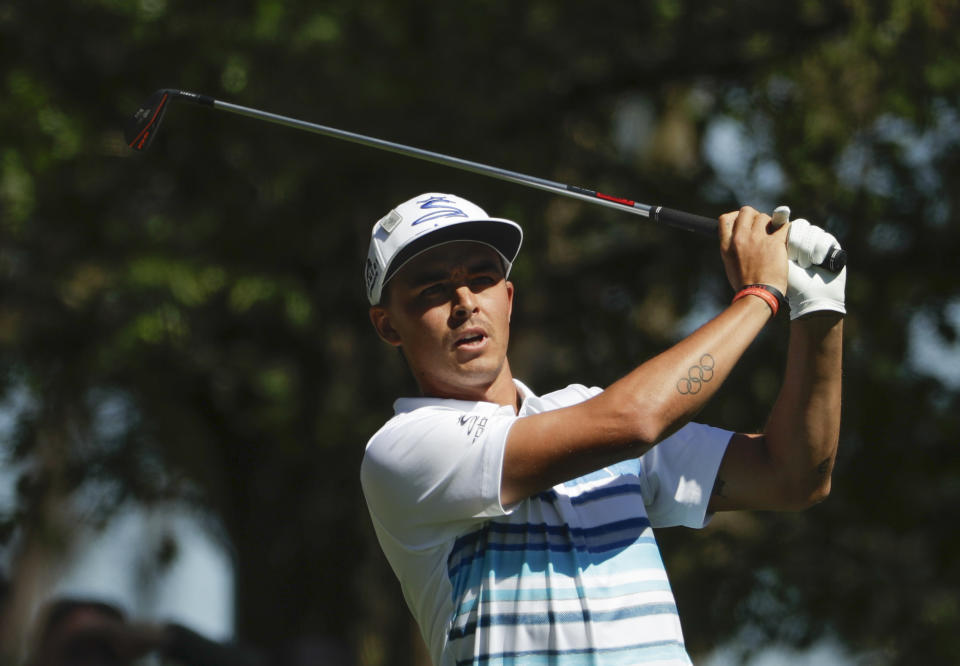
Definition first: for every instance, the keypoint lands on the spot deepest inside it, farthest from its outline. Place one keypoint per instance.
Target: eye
(432, 290)
(483, 281)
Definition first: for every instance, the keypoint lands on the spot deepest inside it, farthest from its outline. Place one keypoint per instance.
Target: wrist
(819, 322)
(769, 294)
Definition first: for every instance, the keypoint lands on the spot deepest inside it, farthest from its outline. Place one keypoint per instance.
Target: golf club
(141, 130)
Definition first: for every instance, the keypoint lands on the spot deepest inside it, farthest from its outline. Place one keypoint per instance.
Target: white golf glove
(809, 287)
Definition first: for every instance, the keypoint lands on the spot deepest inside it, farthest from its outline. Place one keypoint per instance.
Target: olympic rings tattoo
(697, 376)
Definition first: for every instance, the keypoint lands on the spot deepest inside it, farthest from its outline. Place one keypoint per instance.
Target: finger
(763, 224)
(779, 231)
(823, 243)
(760, 226)
(725, 228)
(809, 244)
(745, 221)
(796, 242)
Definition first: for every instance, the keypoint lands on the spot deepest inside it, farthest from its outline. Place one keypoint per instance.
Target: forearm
(666, 392)
(803, 430)
(663, 394)
(635, 412)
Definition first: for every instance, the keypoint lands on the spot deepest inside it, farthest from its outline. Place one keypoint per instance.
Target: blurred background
(188, 376)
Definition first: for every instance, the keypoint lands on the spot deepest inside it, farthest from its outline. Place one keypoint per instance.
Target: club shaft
(430, 156)
(675, 218)
(671, 217)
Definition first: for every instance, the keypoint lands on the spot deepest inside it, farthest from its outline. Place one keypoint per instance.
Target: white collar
(403, 405)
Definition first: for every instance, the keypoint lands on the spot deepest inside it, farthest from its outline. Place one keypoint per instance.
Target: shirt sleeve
(435, 466)
(679, 473)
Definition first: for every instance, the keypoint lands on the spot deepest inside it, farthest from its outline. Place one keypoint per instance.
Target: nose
(464, 302)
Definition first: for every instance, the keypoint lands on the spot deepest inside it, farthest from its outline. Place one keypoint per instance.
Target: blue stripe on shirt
(565, 594)
(628, 655)
(533, 537)
(583, 616)
(604, 492)
(541, 565)
(635, 552)
(509, 534)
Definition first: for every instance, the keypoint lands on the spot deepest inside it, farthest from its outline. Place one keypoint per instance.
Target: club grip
(686, 221)
(835, 261)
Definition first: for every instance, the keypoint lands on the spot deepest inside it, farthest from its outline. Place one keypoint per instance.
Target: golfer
(521, 526)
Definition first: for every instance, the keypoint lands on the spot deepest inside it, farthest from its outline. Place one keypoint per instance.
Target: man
(520, 527)
(86, 632)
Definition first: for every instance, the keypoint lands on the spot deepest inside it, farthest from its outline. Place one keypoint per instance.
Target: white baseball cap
(429, 220)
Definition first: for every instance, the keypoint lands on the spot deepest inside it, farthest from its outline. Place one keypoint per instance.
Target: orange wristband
(771, 295)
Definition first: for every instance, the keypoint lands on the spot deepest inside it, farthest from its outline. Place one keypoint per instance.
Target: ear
(380, 319)
(509, 299)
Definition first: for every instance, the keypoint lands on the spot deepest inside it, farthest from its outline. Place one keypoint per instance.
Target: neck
(501, 390)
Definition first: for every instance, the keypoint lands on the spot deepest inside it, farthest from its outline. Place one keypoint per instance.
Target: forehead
(445, 258)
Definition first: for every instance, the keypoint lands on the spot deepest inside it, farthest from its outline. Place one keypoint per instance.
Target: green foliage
(210, 290)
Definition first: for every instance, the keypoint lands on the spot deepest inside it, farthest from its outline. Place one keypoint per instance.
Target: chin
(480, 375)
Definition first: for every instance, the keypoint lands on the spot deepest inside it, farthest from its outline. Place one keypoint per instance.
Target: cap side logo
(371, 273)
(440, 207)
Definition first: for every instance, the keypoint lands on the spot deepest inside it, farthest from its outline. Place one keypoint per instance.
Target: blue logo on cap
(440, 207)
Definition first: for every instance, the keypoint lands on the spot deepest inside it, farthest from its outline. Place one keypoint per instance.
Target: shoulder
(436, 463)
(416, 418)
(565, 397)
(406, 427)
(425, 431)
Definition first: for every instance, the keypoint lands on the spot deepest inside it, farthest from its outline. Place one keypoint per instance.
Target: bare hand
(753, 251)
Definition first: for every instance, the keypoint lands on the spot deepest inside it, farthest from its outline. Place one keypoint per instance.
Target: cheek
(425, 328)
(505, 309)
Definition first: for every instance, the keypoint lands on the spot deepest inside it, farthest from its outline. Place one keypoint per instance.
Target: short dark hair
(61, 609)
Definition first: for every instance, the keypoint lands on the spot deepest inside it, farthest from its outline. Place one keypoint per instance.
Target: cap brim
(503, 236)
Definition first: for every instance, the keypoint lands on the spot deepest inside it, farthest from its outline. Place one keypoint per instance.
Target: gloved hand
(810, 288)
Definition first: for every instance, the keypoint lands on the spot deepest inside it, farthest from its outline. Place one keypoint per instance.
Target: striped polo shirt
(571, 576)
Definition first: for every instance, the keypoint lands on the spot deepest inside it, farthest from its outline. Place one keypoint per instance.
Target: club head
(141, 129)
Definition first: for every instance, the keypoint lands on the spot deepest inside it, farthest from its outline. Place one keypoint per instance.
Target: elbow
(634, 421)
(802, 482)
(649, 428)
(653, 421)
(647, 434)
(804, 496)
(819, 494)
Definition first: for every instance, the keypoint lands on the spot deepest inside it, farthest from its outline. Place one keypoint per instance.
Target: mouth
(470, 339)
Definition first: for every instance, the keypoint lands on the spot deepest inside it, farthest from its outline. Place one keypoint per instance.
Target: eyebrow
(426, 277)
(429, 275)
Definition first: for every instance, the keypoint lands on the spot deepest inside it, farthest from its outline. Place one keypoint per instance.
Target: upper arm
(548, 448)
(441, 468)
(749, 478)
(745, 479)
